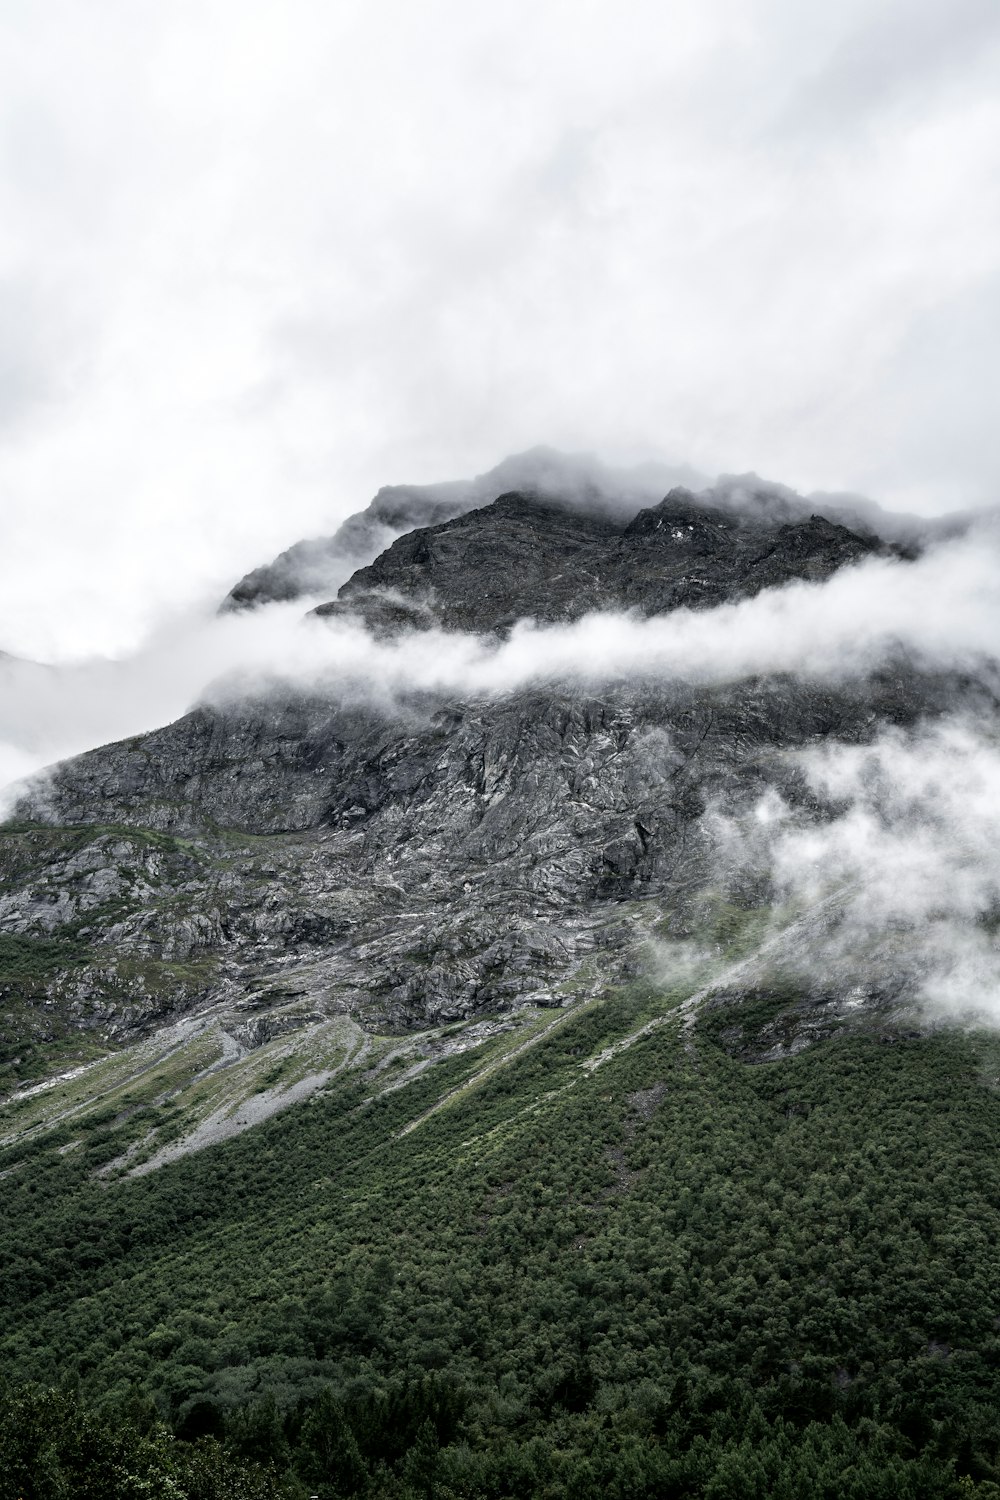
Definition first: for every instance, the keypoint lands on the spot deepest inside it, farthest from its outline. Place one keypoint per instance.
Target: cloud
(275, 257)
(900, 55)
(900, 868)
(939, 612)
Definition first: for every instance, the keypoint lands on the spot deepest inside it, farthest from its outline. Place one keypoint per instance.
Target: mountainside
(558, 1107)
(436, 859)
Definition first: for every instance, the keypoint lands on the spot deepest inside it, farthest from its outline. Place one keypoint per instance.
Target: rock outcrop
(322, 564)
(528, 556)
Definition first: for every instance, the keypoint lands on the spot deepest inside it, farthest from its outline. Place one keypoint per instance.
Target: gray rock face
(322, 564)
(526, 555)
(444, 859)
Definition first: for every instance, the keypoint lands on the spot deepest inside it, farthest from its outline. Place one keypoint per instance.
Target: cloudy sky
(257, 259)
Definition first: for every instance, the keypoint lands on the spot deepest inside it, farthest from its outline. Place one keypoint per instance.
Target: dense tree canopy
(672, 1274)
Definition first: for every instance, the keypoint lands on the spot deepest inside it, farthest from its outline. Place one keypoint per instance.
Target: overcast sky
(258, 259)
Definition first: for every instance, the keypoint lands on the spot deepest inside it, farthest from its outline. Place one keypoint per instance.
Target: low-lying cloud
(901, 873)
(941, 611)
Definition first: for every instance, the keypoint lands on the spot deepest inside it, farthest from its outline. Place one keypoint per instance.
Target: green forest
(658, 1271)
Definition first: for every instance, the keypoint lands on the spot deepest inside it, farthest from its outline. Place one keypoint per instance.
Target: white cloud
(904, 877)
(941, 611)
(275, 256)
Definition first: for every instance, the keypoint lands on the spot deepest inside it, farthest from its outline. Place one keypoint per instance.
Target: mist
(898, 878)
(939, 612)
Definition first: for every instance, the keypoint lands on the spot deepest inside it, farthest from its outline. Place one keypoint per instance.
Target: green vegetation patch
(28, 962)
(637, 1272)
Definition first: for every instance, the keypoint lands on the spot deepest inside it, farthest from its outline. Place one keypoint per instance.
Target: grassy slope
(573, 1245)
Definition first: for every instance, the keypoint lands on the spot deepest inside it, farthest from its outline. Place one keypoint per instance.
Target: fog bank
(906, 864)
(941, 611)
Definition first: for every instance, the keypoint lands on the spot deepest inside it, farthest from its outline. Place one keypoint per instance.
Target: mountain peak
(531, 555)
(581, 481)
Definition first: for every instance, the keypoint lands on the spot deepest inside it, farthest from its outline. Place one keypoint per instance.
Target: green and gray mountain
(356, 1047)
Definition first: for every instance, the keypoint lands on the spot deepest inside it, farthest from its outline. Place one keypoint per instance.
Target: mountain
(553, 804)
(438, 1091)
(322, 564)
